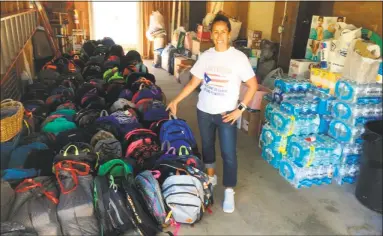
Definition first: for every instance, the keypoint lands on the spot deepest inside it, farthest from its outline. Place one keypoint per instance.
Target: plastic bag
(156, 24)
(339, 49)
(271, 77)
(358, 68)
(235, 28)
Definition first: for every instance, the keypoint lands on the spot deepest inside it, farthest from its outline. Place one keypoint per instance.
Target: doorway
(117, 20)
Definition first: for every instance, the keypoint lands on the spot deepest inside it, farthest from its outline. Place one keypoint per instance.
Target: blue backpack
(178, 133)
(20, 154)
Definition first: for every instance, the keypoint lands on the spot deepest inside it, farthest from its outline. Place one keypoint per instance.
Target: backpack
(140, 144)
(73, 136)
(36, 91)
(183, 194)
(75, 209)
(156, 126)
(179, 185)
(92, 100)
(108, 149)
(80, 152)
(178, 133)
(150, 110)
(153, 91)
(183, 157)
(35, 205)
(144, 222)
(148, 187)
(139, 84)
(86, 117)
(109, 198)
(135, 76)
(110, 124)
(94, 69)
(20, 154)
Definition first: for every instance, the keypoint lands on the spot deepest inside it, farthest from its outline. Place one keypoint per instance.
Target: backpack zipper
(182, 204)
(171, 194)
(172, 185)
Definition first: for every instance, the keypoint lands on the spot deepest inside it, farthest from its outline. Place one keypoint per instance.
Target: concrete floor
(266, 204)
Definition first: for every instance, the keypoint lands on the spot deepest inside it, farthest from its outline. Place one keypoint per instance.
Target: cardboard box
(301, 67)
(250, 123)
(313, 51)
(255, 104)
(203, 33)
(159, 42)
(181, 63)
(178, 39)
(199, 47)
(188, 43)
(323, 27)
(324, 79)
(254, 34)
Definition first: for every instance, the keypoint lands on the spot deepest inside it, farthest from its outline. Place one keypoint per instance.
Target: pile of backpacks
(98, 154)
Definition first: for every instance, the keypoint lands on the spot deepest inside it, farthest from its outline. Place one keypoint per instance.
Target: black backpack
(144, 222)
(86, 117)
(110, 199)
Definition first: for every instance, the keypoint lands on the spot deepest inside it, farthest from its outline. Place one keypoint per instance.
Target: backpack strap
(167, 143)
(185, 149)
(104, 113)
(28, 184)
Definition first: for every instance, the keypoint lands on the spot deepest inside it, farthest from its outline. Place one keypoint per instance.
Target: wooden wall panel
(286, 45)
(13, 7)
(234, 9)
(361, 14)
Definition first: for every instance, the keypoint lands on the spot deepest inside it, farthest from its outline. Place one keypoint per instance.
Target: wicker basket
(12, 125)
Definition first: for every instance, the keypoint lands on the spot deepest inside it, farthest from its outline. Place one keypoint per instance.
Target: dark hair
(321, 17)
(223, 18)
(133, 55)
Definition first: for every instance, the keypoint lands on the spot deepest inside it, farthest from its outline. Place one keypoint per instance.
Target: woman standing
(221, 70)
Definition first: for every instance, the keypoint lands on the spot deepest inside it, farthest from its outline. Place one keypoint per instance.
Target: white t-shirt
(222, 74)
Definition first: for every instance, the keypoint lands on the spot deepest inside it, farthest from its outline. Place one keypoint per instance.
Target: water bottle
(355, 114)
(292, 85)
(346, 174)
(344, 132)
(272, 155)
(297, 107)
(271, 137)
(304, 177)
(351, 153)
(324, 123)
(294, 125)
(278, 96)
(314, 150)
(323, 98)
(362, 94)
(270, 107)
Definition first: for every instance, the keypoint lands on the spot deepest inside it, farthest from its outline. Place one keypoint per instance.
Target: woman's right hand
(172, 107)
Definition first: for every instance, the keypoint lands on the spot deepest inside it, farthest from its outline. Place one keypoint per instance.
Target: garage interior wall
(260, 17)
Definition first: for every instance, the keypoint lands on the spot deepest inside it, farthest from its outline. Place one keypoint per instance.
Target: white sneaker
(213, 180)
(228, 203)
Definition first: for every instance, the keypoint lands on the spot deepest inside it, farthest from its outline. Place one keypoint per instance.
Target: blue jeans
(208, 124)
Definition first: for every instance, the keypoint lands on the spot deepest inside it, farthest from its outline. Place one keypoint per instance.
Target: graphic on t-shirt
(215, 80)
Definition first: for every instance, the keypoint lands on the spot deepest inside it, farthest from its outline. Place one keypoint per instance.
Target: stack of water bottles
(355, 105)
(295, 138)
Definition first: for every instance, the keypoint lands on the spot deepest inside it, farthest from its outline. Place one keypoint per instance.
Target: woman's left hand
(232, 117)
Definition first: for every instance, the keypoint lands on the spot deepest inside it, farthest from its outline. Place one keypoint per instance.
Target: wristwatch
(242, 107)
